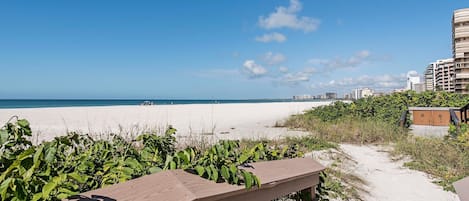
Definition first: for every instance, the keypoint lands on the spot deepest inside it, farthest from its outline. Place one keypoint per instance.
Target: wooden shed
(278, 178)
(432, 116)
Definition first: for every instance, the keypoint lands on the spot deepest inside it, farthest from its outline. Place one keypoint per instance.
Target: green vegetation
(77, 163)
(374, 120)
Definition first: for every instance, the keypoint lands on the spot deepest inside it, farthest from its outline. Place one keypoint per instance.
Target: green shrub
(77, 163)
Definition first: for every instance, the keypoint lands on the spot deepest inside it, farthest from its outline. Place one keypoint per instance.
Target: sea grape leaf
(154, 169)
(225, 173)
(200, 170)
(214, 176)
(247, 179)
(4, 188)
(3, 136)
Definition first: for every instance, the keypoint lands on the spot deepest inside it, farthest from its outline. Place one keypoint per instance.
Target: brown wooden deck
(462, 188)
(278, 178)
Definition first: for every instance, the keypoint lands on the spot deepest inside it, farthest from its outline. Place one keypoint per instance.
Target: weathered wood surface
(462, 189)
(278, 178)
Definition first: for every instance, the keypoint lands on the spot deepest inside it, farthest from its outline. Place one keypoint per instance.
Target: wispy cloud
(272, 37)
(357, 59)
(271, 58)
(283, 69)
(295, 78)
(379, 82)
(287, 17)
(253, 70)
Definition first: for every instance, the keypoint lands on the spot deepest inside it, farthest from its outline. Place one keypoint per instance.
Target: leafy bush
(387, 108)
(77, 163)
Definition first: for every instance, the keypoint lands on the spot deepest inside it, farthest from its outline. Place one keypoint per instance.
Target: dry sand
(388, 180)
(214, 121)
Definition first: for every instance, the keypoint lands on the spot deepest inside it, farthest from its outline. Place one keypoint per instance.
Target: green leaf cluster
(74, 163)
(77, 163)
(221, 162)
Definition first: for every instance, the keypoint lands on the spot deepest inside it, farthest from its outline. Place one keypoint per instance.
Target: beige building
(429, 77)
(461, 49)
(444, 75)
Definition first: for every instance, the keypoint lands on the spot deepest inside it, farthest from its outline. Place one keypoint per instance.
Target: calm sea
(23, 103)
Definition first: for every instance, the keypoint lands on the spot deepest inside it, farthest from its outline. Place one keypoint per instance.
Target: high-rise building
(365, 92)
(444, 75)
(362, 93)
(331, 95)
(429, 76)
(412, 78)
(461, 49)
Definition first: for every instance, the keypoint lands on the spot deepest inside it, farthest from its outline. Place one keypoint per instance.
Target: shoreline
(61, 103)
(215, 121)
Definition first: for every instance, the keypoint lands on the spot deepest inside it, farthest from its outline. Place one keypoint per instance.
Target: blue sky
(216, 49)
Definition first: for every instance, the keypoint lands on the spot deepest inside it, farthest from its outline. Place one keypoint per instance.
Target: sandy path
(214, 121)
(388, 180)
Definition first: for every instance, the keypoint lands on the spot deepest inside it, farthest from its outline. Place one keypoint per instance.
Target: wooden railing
(403, 119)
(278, 178)
(463, 113)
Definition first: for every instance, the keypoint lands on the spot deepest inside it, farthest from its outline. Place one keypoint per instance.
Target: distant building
(303, 97)
(460, 26)
(331, 95)
(378, 94)
(412, 78)
(429, 77)
(347, 96)
(362, 93)
(444, 75)
(398, 90)
(365, 92)
(419, 87)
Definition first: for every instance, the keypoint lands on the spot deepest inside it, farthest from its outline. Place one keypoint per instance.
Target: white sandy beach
(386, 179)
(217, 121)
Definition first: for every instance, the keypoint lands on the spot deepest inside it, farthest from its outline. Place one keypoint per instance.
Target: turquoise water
(30, 103)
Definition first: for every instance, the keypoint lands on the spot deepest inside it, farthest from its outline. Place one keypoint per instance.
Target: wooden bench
(278, 178)
(462, 188)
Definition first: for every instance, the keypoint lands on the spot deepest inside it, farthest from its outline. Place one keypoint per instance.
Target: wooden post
(309, 193)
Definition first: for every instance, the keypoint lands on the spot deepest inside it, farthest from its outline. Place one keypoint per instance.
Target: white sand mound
(389, 180)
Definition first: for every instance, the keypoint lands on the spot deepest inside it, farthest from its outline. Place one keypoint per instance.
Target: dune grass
(444, 159)
(349, 130)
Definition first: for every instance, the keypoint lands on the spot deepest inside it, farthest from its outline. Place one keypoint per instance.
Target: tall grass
(445, 159)
(349, 129)
(448, 161)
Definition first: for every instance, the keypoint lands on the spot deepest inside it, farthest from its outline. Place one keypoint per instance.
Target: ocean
(32, 103)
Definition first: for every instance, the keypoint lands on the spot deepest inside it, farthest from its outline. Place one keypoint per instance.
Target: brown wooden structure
(278, 178)
(433, 116)
(462, 188)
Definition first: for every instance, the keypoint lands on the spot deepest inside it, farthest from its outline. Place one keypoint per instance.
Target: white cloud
(412, 73)
(271, 37)
(296, 78)
(378, 82)
(286, 17)
(357, 59)
(273, 58)
(283, 69)
(253, 70)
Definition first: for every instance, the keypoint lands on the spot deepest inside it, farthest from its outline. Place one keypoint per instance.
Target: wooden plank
(278, 178)
(462, 189)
